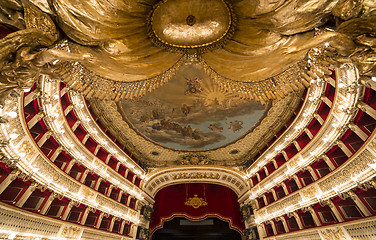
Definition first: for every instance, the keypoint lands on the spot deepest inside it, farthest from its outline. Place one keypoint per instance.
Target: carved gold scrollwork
(195, 202)
(195, 159)
(333, 234)
(71, 232)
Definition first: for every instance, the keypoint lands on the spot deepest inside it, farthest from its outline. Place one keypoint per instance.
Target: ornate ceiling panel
(233, 150)
(187, 81)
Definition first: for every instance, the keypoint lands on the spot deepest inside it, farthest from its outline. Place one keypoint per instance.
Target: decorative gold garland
(91, 85)
(276, 87)
(79, 78)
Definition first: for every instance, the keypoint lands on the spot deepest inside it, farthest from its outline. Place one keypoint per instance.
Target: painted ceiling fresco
(191, 112)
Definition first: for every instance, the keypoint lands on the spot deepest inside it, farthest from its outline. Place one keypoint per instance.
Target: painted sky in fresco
(190, 112)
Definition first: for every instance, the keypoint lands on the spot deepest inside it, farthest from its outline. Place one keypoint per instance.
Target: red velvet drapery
(221, 203)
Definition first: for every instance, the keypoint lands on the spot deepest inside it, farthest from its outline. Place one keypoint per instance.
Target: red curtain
(221, 203)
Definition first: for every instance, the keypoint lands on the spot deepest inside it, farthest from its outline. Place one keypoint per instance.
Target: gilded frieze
(353, 169)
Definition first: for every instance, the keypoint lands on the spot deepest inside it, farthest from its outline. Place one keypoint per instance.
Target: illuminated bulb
(22, 155)
(26, 89)
(373, 79)
(355, 179)
(341, 85)
(372, 165)
(12, 236)
(11, 114)
(13, 135)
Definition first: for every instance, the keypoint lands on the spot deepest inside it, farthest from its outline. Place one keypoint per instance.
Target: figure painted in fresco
(235, 126)
(216, 127)
(193, 86)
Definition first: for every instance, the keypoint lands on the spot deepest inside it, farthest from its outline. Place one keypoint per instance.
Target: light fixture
(372, 165)
(13, 135)
(12, 236)
(11, 114)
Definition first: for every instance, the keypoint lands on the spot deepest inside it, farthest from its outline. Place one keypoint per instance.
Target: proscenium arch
(224, 176)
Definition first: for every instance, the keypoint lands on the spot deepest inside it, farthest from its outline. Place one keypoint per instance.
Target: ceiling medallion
(191, 20)
(191, 25)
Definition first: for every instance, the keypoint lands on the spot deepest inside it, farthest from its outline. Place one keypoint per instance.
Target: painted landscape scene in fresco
(190, 112)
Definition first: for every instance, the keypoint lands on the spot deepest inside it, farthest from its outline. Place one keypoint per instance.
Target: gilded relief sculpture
(24, 54)
(124, 49)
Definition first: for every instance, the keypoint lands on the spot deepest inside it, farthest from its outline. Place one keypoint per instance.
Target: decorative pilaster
(35, 119)
(266, 171)
(359, 204)
(26, 195)
(99, 220)
(298, 220)
(313, 173)
(98, 183)
(314, 216)
(358, 131)
(284, 187)
(344, 148)
(318, 118)
(113, 219)
(84, 175)
(47, 204)
(67, 210)
(334, 210)
(366, 108)
(70, 165)
(56, 154)
(284, 224)
(8, 180)
(297, 180)
(86, 214)
(328, 162)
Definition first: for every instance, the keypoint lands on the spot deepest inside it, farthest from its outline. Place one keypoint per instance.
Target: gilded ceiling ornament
(256, 49)
(194, 159)
(92, 85)
(191, 26)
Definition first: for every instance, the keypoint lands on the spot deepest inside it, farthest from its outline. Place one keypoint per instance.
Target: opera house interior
(188, 119)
